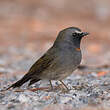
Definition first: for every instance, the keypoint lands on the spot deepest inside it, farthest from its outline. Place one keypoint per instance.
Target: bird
(60, 60)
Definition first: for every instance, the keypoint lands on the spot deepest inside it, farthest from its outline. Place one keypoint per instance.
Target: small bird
(59, 61)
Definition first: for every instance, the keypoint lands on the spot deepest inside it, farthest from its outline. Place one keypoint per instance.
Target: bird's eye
(74, 34)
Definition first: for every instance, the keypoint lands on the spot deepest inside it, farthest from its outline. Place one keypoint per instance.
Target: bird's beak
(84, 34)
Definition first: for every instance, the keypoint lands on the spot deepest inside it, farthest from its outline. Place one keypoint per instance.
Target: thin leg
(64, 84)
(51, 84)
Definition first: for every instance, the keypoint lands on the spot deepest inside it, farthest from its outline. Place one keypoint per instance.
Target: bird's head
(72, 35)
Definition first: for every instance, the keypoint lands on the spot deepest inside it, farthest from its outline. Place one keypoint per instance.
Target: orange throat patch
(78, 49)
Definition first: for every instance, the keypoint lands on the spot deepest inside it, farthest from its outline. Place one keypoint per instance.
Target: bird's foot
(62, 88)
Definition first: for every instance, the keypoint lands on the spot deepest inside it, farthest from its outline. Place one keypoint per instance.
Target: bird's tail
(20, 82)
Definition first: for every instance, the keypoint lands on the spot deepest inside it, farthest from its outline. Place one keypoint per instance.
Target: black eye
(74, 34)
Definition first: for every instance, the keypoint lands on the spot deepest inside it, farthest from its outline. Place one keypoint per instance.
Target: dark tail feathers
(26, 78)
(32, 81)
(20, 82)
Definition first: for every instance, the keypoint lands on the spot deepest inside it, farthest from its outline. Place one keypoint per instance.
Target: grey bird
(59, 61)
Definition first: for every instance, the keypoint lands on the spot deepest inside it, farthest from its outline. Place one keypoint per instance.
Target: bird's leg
(43, 88)
(51, 85)
(64, 85)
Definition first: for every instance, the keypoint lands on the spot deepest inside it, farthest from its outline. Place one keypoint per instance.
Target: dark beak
(84, 34)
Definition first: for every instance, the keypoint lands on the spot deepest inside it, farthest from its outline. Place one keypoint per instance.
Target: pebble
(22, 98)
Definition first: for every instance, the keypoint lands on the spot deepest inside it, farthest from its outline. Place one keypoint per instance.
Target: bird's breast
(64, 63)
(71, 56)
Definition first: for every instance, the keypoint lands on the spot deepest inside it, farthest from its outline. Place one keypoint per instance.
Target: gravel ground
(92, 88)
(89, 89)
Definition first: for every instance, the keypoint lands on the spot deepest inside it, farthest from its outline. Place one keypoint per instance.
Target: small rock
(22, 98)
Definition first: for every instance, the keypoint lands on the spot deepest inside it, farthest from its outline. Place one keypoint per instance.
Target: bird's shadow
(60, 87)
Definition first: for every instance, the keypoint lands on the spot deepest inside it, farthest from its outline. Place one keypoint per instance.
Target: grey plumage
(59, 61)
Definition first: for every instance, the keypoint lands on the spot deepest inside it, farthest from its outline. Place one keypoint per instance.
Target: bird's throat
(78, 49)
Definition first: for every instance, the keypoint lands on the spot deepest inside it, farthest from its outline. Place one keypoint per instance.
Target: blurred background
(29, 27)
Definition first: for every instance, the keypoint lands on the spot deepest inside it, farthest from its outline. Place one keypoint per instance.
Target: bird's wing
(38, 67)
(41, 64)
